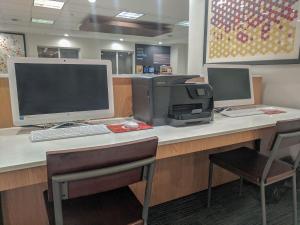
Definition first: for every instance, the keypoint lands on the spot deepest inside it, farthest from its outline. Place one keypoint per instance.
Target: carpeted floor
(228, 208)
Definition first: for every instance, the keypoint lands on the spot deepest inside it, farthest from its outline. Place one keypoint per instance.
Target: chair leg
(211, 168)
(263, 203)
(295, 198)
(148, 191)
(241, 186)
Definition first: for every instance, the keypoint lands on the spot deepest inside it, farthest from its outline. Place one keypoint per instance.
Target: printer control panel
(201, 91)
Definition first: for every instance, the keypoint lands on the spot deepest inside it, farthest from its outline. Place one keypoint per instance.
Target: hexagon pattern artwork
(243, 28)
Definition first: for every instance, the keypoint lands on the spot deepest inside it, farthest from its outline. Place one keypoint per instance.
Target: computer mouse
(131, 124)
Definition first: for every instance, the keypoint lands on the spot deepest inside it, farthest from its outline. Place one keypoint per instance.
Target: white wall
(89, 48)
(179, 58)
(196, 36)
(281, 84)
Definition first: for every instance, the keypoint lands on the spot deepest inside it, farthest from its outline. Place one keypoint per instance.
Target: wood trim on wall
(5, 107)
(122, 98)
(258, 90)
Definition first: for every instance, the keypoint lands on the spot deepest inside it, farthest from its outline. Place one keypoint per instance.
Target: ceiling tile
(74, 12)
(45, 11)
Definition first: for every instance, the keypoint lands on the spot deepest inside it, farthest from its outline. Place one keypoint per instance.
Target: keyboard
(241, 112)
(69, 132)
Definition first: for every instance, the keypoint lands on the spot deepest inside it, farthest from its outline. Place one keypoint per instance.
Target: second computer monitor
(232, 85)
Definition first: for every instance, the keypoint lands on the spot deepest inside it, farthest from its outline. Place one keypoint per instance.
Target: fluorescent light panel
(52, 4)
(41, 21)
(129, 15)
(184, 23)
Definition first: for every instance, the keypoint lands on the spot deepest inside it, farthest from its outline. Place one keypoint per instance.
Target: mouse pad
(120, 128)
(271, 111)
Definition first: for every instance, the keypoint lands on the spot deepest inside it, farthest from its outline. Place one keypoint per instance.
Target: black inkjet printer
(171, 100)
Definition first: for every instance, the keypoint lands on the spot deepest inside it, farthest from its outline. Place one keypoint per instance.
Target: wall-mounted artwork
(11, 44)
(252, 31)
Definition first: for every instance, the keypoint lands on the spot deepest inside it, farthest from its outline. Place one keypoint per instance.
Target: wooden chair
(90, 186)
(259, 169)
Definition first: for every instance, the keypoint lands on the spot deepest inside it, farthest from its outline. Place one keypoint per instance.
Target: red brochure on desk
(271, 111)
(120, 128)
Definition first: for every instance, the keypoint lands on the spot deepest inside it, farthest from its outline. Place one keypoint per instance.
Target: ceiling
(108, 24)
(69, 19)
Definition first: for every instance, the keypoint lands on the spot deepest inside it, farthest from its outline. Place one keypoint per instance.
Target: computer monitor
(59, 90)
(151, 69)
(146, 69)
(232, 85)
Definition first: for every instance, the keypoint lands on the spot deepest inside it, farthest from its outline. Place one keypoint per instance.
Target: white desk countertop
(17, 152)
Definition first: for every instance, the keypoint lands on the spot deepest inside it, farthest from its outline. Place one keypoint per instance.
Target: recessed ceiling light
(129, 15)
(42, 21)
(66, 35)
(184, 23)
(53, 4)
(121, 39)
(92, 1)
(160, 43)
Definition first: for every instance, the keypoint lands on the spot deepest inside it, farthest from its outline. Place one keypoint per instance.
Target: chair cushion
(250, 164)
(117, 207)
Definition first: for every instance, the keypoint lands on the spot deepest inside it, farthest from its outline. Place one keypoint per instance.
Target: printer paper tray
(190, 116)
(188, 119)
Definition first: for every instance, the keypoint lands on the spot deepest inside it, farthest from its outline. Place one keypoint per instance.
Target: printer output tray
(178, 120)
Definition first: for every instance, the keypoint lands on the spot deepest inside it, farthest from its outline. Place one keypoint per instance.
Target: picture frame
(11, 44)
(215, 29)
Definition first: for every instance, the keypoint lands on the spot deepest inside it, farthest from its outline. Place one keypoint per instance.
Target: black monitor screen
(61, 88)
(230, 83)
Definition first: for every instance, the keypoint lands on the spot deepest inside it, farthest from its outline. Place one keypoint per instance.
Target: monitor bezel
(20, 120)
(235, 102)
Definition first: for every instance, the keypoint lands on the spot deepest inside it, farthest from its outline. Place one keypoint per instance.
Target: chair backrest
(287, 134)
(286, 126)
(89, 159)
